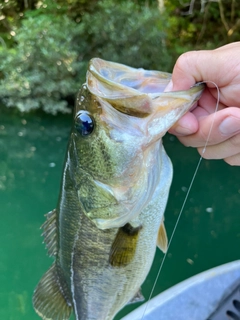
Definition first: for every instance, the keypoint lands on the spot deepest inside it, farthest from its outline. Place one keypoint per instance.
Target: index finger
(214, 128)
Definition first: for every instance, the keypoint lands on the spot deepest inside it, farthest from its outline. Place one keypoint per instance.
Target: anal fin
(50, 297)
(162, 240)
(138, 297)
(124, 246)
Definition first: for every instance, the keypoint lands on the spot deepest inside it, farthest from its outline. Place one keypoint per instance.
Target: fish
(109, 219)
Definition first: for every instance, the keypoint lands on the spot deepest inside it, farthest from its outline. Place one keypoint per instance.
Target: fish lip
(163, 78)
(196, 88)
(94, 69)
(151, 85)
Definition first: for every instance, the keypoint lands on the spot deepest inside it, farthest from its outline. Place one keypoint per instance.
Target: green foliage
(124, 33)
(42, 68)
(45, 46)
(11, 12)
(52, 53)
(197, 24)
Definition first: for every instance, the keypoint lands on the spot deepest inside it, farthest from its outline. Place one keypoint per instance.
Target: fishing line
(186, 197)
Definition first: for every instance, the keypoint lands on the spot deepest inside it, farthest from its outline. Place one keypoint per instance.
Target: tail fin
(50, 297)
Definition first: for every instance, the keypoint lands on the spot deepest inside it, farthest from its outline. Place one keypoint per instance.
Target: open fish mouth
(137, 92)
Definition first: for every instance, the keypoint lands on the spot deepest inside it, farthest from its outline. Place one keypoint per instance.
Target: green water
(32, 150)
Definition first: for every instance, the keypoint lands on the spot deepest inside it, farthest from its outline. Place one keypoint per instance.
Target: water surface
(32, 151)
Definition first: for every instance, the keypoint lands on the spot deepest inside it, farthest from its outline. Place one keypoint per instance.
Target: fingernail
(169, 87)
(229, 125)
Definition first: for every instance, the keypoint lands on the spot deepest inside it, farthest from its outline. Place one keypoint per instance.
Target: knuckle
(184, 141)
(233, 160)
(204, 154)
(203, 136)
(235, 141)
(185, 60)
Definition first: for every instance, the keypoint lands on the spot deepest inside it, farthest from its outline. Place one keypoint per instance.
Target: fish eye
(84, 123)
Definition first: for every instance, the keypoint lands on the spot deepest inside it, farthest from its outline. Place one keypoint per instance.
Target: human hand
(221, 66)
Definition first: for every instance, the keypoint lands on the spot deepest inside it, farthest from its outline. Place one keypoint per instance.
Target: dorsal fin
(162, 240)
(124, 245)
(50, 299)
(50, 232)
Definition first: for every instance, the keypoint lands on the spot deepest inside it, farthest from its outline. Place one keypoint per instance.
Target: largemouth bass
(109, 218)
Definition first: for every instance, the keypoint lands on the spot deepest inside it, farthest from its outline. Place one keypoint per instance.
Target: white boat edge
(192, 299)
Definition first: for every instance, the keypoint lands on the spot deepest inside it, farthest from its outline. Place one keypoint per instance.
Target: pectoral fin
(124, 246)
(50, 299)
(162, 240)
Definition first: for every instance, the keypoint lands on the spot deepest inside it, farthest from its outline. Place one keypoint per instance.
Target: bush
(50, 59)
(126, 33)
(42, 69)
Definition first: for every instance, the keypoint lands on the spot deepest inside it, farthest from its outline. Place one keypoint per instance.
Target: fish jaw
(169, 107)
(140, 94)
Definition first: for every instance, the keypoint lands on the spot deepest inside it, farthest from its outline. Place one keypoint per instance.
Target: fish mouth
(136, 92)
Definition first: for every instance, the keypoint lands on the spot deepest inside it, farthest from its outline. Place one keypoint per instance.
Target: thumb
(191, 67)
(203, 65)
